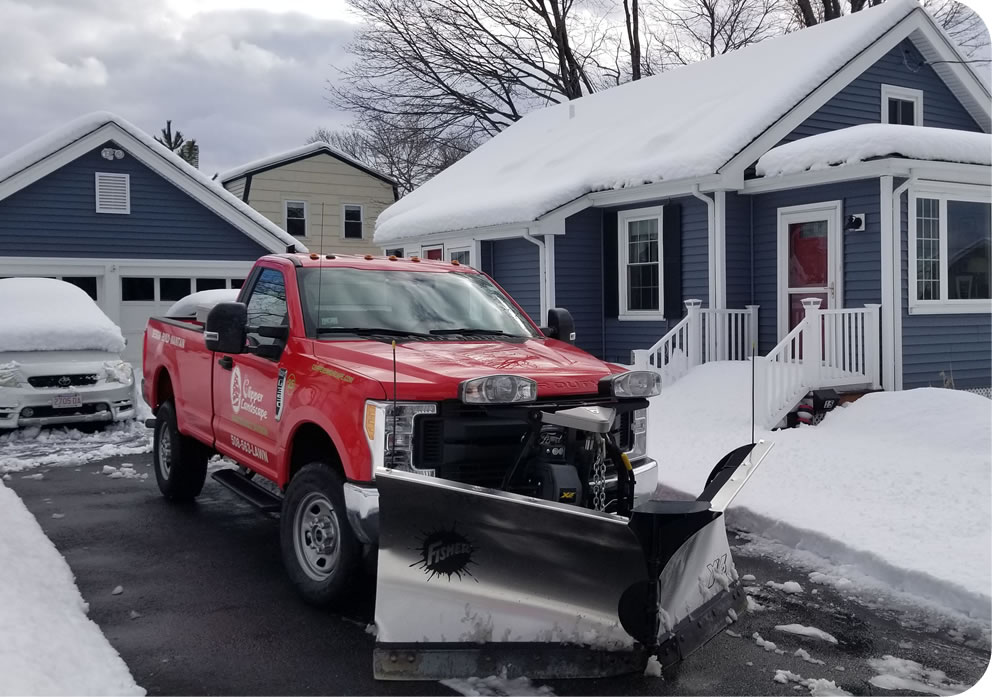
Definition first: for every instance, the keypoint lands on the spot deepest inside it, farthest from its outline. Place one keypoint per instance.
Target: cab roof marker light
(392, 257)
(415, 259)
(632, 384)
(368, 257)
(455, 262)
(498, 389)
(315, 256)
(330, 256)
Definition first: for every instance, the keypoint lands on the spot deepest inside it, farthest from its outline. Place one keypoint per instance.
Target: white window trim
(306, 217)
(127, 192)
(361, 209)
(623, 219)
(401, 250)
(904, 93)
(428, 247)
(461, 248)
(943, 192)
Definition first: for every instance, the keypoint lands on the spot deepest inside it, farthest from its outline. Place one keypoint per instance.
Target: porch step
(256, 495)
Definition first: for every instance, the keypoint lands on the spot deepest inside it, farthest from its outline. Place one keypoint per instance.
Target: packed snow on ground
(47, 644)
(871, 140)
(680, 124)
(43, 314)
(31, 447)
(818, 687)
(497, 685)
(903, 674)
(790, 587)
(892, 490)
(803, 630)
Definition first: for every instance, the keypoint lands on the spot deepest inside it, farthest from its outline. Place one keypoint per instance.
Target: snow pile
(790, 587)
(765, 644)
(65, 135)
(893, 489)
(48, 645)
(191, 304)
(42, 314)
(817, 686)
(653, 668)
(303, 150)
(680, 124)
(32, 447)
(125, 471)
(870, 140)
(903, 674)
(803, 630)
(497, 685)
(804, 654)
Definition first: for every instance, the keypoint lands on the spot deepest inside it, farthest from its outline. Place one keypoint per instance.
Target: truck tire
(180, 461)
(319, 549)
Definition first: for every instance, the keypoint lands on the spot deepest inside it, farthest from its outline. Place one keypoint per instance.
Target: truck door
(245, 419)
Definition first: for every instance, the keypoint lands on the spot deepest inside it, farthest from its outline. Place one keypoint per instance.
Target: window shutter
(671, 232)
(611, 261)
(113, 193)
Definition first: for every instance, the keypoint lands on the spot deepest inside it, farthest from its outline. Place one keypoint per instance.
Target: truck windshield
(336, 300)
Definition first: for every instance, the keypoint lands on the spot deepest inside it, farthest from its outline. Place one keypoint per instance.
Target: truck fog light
(102, 407)
(635, 383)
(27, 412)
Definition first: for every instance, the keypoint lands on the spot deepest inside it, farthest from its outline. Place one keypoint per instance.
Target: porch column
(752, 330)
(812, 346)
(695, 328)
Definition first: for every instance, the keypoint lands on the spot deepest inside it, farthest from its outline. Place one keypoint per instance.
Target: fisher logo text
(244, 397)
(445, 552)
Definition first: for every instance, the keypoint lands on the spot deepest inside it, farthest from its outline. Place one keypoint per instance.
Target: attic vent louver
(113, 193)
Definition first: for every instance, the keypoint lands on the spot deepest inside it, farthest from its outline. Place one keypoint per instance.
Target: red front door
(435, 253)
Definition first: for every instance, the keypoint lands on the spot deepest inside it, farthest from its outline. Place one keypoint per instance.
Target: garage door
(149, 296)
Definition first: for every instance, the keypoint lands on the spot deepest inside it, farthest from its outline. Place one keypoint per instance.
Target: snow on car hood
(42, 314)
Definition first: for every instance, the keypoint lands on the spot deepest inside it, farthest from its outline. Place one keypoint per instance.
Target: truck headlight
(635, 383)
(498, 389)
(118, 371)
(389, 432)
(10, 375)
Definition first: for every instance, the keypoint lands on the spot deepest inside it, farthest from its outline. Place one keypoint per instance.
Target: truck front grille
(62, 380)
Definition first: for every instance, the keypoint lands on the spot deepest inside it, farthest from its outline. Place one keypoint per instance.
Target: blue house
(827, 188)
(100, 204)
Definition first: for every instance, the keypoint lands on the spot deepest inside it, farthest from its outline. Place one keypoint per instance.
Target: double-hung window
(902, 105)
(950, 235)
(296, 218)
(352, 221)
(640, 256)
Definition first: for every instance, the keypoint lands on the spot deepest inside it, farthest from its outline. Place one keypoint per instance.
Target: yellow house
(321, 196)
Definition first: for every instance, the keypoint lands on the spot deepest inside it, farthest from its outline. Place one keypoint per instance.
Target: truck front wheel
(319, 548)
(180, 461)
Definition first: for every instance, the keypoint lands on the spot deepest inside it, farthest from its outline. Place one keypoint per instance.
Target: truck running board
(262, 499)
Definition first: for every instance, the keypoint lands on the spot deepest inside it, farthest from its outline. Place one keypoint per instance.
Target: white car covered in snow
(60, 357)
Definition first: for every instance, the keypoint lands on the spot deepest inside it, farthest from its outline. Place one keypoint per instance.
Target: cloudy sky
(244, 80)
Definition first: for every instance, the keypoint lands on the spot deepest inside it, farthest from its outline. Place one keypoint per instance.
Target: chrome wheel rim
(165, 451)
(316, 537)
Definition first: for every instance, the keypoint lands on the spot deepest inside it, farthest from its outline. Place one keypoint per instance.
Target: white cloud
(243, 82)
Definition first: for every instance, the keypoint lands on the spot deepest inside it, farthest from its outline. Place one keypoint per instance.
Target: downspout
(542, 265)
(896, 313)
(710, 242)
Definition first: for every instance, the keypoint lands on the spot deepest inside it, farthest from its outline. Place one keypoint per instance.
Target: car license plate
(67, 401)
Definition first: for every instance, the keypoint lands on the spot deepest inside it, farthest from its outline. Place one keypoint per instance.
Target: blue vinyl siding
(56, 216)
(956, 349)
(861, 249)
(579, 277)
(860, 101)
(515, 265)
(738, 261)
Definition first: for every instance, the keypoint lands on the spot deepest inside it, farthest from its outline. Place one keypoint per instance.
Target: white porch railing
(702, 336)
(828, 348)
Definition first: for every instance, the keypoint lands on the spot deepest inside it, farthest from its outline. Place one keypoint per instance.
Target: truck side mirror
(561, 326)
(226, 328)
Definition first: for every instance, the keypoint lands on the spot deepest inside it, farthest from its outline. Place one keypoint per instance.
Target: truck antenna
(752, 389)
(394, 396)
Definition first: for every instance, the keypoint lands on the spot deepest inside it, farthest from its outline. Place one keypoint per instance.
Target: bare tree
(632, 19)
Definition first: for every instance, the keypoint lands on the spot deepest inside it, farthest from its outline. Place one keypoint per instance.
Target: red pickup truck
(328, 368)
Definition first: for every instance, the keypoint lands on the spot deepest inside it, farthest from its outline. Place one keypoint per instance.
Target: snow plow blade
(475, 581)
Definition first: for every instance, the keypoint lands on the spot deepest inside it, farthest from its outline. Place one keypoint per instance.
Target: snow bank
(859, 143)
(32, 447)
(65, 135)
(896, 486)
(680, 124)
(48, 645)
(302, 151)
(42, 314)
(803, 630)
(903, 674)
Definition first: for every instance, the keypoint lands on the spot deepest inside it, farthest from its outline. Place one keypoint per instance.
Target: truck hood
(432, 370)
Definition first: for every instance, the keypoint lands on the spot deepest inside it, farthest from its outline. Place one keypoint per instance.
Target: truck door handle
(226, 362)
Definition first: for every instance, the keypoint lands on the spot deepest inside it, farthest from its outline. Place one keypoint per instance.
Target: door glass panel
(808, 254)
(435, 253)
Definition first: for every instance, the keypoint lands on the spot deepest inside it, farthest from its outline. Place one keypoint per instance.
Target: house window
(640, 264)
(397, 252)
(173, 288)
(433, 253)
(949, 246)
(113, 193)
(296, 218)
(86, 283)
(137, 289)
(352, 222)
(462, 256)
(902, 105)
(210, 284)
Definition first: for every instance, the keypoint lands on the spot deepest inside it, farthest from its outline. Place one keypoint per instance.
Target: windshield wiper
(369, 331)
(467, 331)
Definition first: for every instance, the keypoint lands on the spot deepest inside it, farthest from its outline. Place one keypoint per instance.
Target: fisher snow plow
(477, 581)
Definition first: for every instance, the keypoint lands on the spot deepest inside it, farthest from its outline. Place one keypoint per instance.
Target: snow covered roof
(872, 140)
(299, 153)
(679, 125)
(42, 314)
(50, 144)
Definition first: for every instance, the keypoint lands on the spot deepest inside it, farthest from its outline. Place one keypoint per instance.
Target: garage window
(135, 289)
(173, 288)
(210, 284)
(87, 283)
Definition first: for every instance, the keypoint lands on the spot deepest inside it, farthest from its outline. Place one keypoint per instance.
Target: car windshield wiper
(467, 330)
(369, 331)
